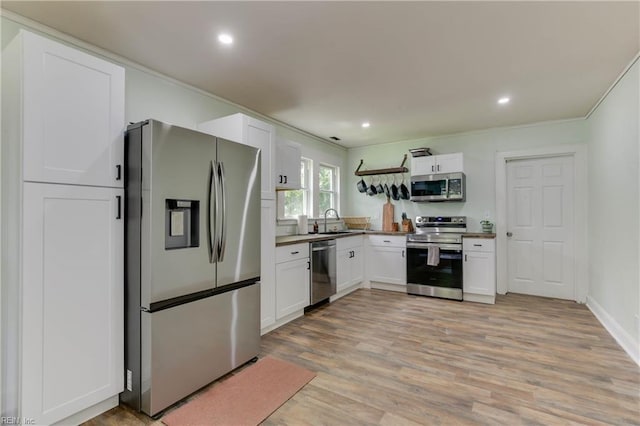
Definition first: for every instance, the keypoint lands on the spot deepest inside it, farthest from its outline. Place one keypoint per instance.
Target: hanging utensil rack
(392, 170)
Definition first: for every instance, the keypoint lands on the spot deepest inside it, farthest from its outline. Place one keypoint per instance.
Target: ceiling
(411, 69)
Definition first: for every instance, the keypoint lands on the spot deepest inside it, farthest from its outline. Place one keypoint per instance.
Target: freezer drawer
(188, 346)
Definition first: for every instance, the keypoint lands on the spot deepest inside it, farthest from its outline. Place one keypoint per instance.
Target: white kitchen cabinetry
(73, 319)
(62, 210)
(292, 279)
(249, 131)
(479, 270)
(349, 264)
(268, 265)
(73, 119)
(386, 266)
(288, 165)
(443, 163)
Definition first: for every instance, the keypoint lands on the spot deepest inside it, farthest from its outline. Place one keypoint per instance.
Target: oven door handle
(454, 247)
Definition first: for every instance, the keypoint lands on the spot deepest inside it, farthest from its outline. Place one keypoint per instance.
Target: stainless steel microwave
(438, 187)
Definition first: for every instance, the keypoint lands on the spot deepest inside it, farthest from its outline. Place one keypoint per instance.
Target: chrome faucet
(325, 217)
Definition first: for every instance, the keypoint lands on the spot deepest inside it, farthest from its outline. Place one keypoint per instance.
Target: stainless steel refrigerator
(192, 261)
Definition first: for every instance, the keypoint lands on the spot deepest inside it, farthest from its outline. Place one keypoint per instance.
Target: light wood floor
(392, 359)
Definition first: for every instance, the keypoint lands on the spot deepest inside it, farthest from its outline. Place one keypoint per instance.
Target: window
(291, 204)
(327, 188)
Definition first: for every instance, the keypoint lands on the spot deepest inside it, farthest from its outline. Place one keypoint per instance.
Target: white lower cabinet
(386, 263)
(479, 270)
(267, 264)
(349, 262)
(292, 279)
(72, 298)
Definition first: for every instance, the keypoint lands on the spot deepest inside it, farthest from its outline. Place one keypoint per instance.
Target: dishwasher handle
(322, 248)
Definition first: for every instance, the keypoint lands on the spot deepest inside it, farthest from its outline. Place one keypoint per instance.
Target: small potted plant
(487, 226)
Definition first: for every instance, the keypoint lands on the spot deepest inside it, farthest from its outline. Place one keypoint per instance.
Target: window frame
(308, 189)
(335, 184)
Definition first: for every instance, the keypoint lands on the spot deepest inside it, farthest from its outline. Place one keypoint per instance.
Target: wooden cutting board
(387, 216)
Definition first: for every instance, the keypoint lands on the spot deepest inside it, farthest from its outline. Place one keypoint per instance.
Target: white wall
(614, 198)
(479, 149)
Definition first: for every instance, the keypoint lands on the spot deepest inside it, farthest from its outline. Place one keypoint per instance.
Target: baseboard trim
(345, 291)
(388, 286)
(624, 339)
(479, 298)
(282, 321)
(91, 412)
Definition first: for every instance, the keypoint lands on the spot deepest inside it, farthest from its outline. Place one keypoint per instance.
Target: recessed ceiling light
(366, 124)
(504, 100)
(225, 38)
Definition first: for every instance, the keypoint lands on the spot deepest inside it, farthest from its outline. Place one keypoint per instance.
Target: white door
(540, 211)
(73, 299)
(73, 106)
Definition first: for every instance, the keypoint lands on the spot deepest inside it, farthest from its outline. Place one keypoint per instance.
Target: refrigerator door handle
(211, 206)
(222, 242)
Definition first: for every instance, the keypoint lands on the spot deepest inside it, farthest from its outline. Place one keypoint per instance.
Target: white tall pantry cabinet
(63, 230)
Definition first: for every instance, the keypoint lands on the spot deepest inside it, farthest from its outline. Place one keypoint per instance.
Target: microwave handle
(446, 188)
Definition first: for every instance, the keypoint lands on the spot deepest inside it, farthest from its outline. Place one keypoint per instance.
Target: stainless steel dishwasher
(323, 270)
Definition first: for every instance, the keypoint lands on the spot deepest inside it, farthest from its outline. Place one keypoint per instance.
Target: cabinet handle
(386, 241)
(285, 179)
(280, 178)
(432, 169)
(295, 252)
(438, 167)
(402, 253)
(465, 257)
(118, 172)
(477, 245)
(308, 265)
(119, 200)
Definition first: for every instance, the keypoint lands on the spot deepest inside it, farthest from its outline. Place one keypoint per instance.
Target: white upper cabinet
(72, 107)
(288, 165)
(249, 131)
(443, 163)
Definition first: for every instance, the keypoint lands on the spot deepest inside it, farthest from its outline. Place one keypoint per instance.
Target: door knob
(509, 234)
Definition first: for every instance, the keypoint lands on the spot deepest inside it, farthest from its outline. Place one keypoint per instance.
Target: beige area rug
(246, 398)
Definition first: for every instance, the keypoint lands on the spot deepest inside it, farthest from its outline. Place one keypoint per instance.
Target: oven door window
(448, 273)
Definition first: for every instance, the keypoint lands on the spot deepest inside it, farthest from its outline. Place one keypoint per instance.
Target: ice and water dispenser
(182, 223)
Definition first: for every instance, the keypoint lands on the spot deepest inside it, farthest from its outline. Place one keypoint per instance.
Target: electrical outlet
(129, 381)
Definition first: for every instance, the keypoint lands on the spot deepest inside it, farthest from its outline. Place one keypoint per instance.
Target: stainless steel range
(434, 257)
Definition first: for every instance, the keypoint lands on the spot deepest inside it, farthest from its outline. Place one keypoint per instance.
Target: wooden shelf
(389, 171)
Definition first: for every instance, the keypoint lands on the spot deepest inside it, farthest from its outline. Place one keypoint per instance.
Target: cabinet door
(292, 287)
(288, 162)
(479, 273)
(73, 301)
(449, 163)
(268, 264)
(343, 269)
(387, 265)
(423, 165)
(73, 115)
(357, 266)
(260, 135)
